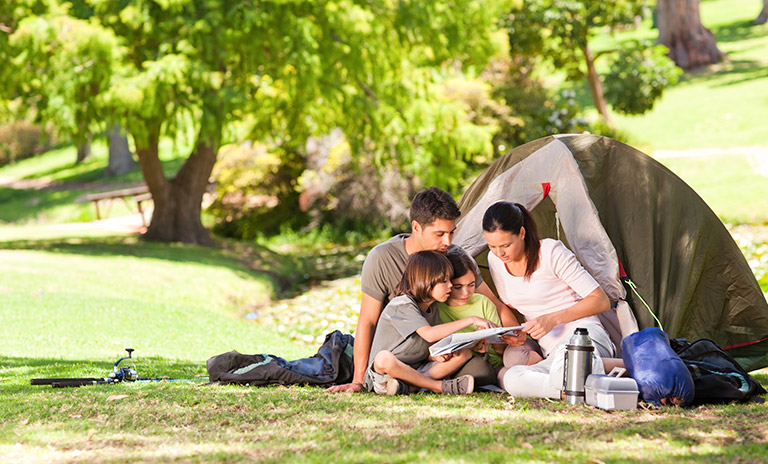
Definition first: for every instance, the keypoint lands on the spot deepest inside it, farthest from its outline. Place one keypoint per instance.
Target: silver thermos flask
(578, 365)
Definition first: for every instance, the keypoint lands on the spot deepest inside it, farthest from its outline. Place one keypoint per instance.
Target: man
(433, 223)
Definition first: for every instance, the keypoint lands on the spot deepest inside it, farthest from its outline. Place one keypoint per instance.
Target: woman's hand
(514, 338)
(541, 325)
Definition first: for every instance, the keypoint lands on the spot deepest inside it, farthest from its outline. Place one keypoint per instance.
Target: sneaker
(459, 386)
(397, 387)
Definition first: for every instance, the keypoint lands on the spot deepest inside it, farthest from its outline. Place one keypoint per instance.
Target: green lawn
(70, 305)
(72, 299)
(722, 106)
(729, 184)
(57, 186)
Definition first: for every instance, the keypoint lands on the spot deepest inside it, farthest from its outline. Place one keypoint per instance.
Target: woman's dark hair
(423, 271)
(510, 217)
(461, 262)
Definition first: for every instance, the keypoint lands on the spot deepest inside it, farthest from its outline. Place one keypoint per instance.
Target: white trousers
(545, 379)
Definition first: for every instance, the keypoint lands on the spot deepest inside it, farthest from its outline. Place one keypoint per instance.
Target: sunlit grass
(721, 106)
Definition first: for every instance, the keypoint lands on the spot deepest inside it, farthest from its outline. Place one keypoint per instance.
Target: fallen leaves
(116, 397)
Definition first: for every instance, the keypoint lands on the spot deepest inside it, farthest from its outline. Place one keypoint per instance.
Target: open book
(457, 341)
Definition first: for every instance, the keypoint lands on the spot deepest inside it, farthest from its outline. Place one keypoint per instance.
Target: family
(418, 288)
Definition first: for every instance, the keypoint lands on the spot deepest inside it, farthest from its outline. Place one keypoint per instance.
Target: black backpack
(333, 364)
(717, 377)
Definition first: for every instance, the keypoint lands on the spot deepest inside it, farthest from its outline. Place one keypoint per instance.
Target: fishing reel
(126, 373)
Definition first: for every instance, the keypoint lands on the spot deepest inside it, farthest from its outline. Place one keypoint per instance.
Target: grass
(729, 184)
(72, 299)
(721, 106)
(57, 186)
(71, 304)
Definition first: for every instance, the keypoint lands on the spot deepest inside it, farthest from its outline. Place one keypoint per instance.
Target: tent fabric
(616, 207)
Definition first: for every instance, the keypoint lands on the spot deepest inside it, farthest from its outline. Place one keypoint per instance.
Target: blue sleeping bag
(661, 375)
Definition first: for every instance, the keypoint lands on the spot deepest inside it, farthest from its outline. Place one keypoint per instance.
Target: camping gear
(619, 210)
(661, 376)
(126, 373)
(331, 365)
(578, 365)
(717, 377)
(611, 391)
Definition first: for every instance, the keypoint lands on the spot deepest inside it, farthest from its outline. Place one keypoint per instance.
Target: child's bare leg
(386, 363)
(441, 370)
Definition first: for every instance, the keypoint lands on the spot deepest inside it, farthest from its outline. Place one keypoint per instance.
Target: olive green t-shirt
(384, 267)
(480, 306)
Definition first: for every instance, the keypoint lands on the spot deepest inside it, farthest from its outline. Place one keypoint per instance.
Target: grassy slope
(719, 107)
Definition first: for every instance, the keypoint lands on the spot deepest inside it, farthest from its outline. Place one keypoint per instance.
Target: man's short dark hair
(432, 204)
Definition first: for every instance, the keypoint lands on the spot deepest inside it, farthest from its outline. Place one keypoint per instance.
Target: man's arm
(506, 315)
(370, 310)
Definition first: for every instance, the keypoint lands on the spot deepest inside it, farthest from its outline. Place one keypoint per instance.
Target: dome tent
(619, 210)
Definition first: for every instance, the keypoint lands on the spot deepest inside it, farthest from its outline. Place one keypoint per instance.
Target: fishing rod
(125, 373)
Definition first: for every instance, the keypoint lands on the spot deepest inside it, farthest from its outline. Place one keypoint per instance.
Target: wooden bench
(135, 194)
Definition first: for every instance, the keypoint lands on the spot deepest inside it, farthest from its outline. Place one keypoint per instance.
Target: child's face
(462, 289)
(442, 290)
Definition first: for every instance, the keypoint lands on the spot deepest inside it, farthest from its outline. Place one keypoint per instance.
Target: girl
(464, 302)
(409, 324)
(544, 281)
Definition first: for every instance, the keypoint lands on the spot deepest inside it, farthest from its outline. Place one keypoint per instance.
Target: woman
(544, 281)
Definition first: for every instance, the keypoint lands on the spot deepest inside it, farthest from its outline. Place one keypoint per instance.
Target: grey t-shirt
(396, 332)
(384, 267)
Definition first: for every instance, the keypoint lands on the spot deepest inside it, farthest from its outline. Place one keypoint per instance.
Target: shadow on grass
(739, 30)
(291, 273)
(24, 204)
(152, 367)
(745, 70)
(303, 424)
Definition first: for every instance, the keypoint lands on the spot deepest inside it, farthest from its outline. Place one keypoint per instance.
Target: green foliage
(21, 139)
(526, 110)
(560, 30)
(639, 76)
(289, 69)
(560, 33)
(63, 65)
(255, 191)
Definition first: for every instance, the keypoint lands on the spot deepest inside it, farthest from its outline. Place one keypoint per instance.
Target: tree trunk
(596, 86)
(177, 203)
(763, 17)
(120, 156)
(83, 151)
(691, 45)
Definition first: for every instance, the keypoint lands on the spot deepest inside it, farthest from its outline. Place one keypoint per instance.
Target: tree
(762, 18)
(560, 31)
(60, 66)
(691, 45)
(290, 68)
(120, 156)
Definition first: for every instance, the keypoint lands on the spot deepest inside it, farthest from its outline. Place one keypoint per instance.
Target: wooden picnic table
(132, 194)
